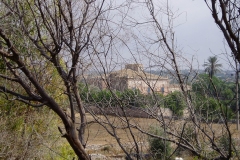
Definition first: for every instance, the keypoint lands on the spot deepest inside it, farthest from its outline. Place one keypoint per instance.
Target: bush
(106, 98)
(211, 109)
(65, 152)
(190, 135)
(224, 142)
(175, 102)
(159, 148)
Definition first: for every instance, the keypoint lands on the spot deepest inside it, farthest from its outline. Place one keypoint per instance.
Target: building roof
(129, 73)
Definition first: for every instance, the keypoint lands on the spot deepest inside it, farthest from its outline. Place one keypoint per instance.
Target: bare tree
(153, 38)
(71, 37)
(58, 34)
(226, 14)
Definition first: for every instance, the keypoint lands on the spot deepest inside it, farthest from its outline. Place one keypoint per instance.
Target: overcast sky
(198, 34)
(195, 30)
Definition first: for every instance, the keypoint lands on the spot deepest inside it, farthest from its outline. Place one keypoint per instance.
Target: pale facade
(147, 86)
(133, 77)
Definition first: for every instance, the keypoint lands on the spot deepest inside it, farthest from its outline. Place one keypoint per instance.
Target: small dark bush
(159, 148)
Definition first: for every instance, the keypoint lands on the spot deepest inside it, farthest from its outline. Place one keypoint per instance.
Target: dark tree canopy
(212, 66)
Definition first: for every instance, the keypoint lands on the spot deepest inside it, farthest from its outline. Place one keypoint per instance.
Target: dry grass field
(99, 141)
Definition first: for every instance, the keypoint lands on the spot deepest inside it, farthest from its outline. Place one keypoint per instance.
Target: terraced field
(100, 142)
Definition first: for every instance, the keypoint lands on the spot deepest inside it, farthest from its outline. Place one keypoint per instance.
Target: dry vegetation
(99, 141)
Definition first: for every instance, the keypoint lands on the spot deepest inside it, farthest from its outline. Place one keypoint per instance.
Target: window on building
(162, 89)
(148, 90)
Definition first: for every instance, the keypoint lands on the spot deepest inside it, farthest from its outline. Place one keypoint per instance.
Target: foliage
(204, 86)
(159, 148)
(212, 66)
(25, 130)
(65, 152)
(106, 98)
(224, 142)
(129, 98)
(190, 136)
(175, 102)
(214, 97)
(35, 48)
(210, 108)
(30, 133)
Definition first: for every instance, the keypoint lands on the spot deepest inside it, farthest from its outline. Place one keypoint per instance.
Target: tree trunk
(73, 139)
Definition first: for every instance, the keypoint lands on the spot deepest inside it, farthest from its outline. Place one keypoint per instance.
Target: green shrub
(175, 102)
(66, 152)
(212, 109)
(189, 134)
(224, 143)
(106, 148)
(159, 148)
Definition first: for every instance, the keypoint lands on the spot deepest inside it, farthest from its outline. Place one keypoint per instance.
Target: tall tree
(212, 66)
(226, 14)
(55, 33)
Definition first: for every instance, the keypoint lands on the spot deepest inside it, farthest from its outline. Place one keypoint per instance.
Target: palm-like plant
(212, 66)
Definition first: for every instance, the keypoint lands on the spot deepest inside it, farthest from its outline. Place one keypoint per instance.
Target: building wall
(122, 83)
(134, 67)
(160, 85)
(130, 78)
(119, 83)
(98, 82)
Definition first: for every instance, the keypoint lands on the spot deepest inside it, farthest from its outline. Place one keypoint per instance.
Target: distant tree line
(212, 95)
(132, 98)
